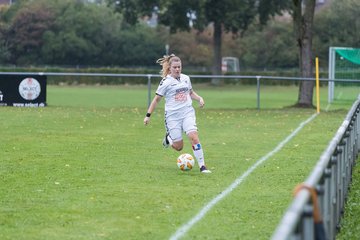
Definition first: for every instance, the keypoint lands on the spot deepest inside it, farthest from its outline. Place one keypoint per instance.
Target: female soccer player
(179, 112)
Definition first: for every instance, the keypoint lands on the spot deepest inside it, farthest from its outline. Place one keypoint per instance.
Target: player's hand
(146, 120)
(201, 102)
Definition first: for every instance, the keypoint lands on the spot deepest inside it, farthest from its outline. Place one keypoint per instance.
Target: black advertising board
(23, 90)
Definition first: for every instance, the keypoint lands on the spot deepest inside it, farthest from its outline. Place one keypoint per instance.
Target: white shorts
(180, 121)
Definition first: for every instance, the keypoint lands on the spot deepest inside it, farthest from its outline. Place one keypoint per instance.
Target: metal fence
(149, 78)
(331, 179)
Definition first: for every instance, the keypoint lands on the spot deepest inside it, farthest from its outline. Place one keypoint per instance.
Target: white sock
(199, 154)
(170, 140)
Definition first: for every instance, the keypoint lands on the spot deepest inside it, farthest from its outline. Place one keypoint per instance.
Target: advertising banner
(23, 90)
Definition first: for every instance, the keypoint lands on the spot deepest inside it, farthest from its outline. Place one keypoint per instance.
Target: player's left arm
(196, 97)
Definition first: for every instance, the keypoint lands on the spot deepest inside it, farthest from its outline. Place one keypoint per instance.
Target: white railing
(331, 179)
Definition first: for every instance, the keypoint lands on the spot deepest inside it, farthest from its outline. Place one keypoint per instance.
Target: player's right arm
(151, 108)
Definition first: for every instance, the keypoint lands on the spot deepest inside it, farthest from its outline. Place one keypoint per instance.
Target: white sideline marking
(187, 226)
(327, 107)
(337, 97)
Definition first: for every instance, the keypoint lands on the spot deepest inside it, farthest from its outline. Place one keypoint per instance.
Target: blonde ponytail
(165, 62)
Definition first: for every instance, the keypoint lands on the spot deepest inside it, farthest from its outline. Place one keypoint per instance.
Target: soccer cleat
(165, 141)
(203, 169)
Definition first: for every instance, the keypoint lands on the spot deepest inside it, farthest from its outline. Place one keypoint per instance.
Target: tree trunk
(216, 69)
(303, 26)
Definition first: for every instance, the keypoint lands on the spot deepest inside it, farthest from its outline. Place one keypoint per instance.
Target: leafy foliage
(184, 14)
(78, 35)
(75, 33)
(273, 47)
(337, 25)
(72, 33)
(25, 39)
(132, 10)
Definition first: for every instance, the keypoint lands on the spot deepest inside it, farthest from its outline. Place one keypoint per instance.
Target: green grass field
(86, 167)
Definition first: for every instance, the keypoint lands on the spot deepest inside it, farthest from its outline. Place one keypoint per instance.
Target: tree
(337, 25)
(82, 34)
(25, 32)
(273, 47)
(132, 10)
(193, 47)
(67, 32)
(139, 46)
(227, 15)
(303, 23)
(4, 48)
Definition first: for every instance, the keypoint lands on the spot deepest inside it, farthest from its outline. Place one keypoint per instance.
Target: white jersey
(176, 92)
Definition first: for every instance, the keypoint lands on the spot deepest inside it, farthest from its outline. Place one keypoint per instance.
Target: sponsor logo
(29, 89)
(184, 89)
(181, 94)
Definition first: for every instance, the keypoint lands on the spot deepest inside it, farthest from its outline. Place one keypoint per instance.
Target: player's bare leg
(178, 146)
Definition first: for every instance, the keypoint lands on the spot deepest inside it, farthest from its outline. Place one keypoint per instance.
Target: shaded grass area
(85, 167)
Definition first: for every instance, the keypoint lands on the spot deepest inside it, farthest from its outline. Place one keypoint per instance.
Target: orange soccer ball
(185, 162)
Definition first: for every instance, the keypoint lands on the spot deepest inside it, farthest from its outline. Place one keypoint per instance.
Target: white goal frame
(332, 64)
